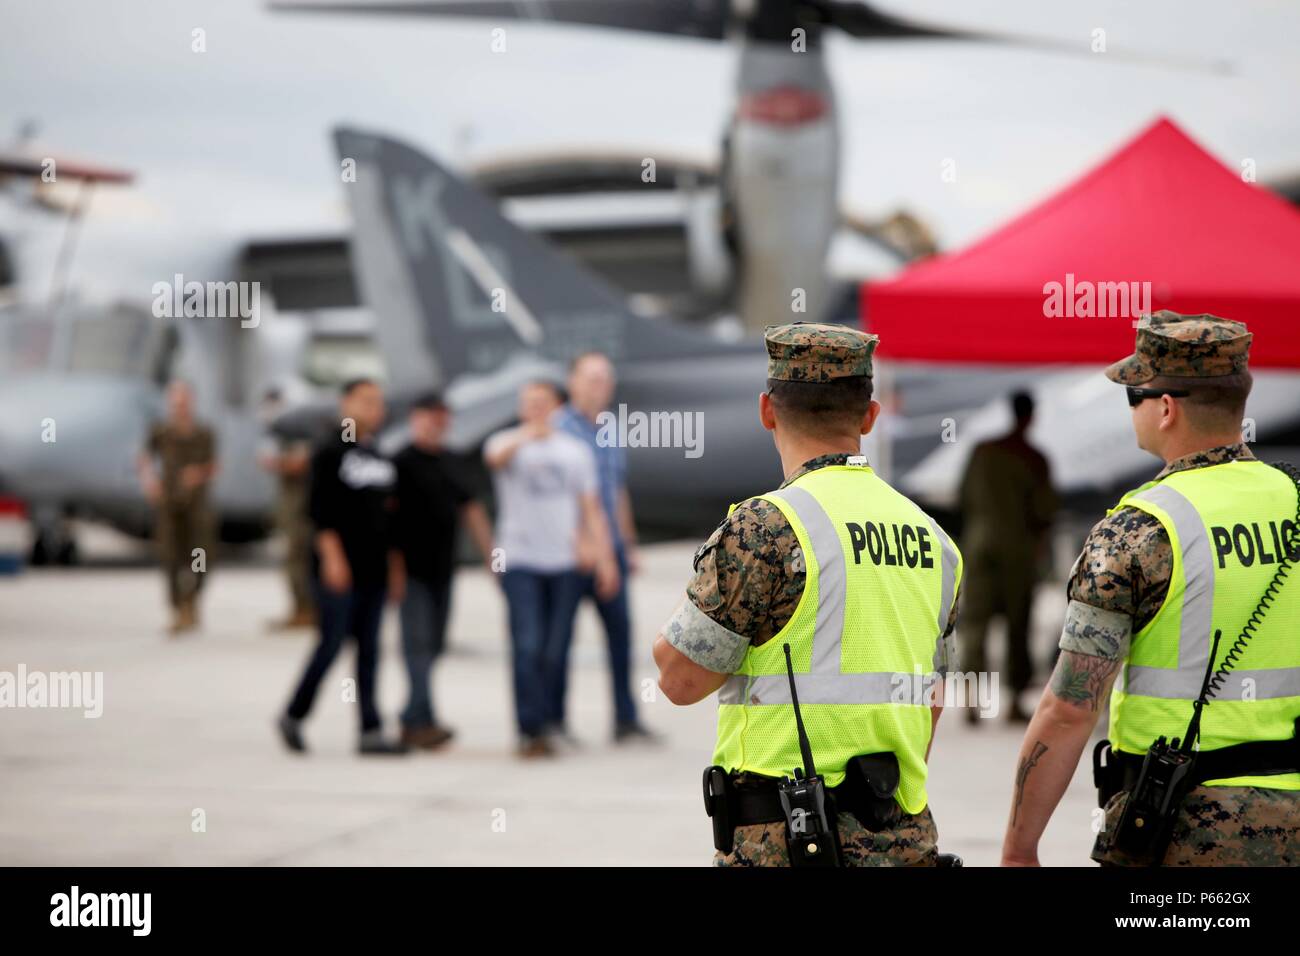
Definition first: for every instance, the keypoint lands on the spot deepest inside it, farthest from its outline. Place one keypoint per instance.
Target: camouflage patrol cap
(811, 352)
(1170, 345)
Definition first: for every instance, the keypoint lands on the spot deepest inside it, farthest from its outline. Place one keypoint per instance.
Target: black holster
(1107, 775)
(869, 790)
(717, 804)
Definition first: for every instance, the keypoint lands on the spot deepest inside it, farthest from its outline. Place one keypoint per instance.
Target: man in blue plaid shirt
(591, 389)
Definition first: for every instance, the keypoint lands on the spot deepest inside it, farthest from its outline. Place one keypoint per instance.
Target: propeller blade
(695, 18)
(866, 23)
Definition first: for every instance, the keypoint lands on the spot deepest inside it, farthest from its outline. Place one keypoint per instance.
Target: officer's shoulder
(753, 525)
(758, 515)
(1123, 529)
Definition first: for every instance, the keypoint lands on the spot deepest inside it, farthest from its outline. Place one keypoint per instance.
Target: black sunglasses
(1136, 396)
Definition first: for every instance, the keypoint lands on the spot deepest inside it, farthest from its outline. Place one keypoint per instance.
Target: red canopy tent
(1161, 211)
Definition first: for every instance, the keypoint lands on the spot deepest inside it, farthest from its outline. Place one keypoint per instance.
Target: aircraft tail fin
(458, 288)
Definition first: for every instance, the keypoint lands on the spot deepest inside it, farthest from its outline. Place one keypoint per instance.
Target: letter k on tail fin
(457, 288)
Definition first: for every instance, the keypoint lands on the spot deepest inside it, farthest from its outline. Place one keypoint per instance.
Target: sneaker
(373, 743)
(532, 748)
(560, 738)
(297, 621)
(635, 733)
(427, 738)
(291, 734)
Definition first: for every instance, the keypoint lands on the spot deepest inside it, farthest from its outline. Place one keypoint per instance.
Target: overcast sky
(233, 143)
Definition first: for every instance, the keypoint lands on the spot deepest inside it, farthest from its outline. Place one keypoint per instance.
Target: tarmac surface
(183, 766)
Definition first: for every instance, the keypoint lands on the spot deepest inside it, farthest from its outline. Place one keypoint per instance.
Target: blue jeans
(356, 614)
(616, 618)
(424, 627)
(541, 628)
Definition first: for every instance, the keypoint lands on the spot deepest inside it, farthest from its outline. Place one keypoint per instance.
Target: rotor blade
(866, 23)
(695, 18)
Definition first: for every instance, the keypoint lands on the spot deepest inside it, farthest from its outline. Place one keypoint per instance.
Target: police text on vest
(891, 544)
(1252, 543)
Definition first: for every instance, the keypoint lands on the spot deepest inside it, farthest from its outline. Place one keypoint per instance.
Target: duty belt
(1258, 758)
(755, 799)
(868, 792)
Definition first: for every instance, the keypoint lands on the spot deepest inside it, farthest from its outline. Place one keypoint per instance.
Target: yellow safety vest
(880, 580)
(1227, 524)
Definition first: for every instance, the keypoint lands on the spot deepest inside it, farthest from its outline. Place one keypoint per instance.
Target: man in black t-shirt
(349, 502)
(431, 502)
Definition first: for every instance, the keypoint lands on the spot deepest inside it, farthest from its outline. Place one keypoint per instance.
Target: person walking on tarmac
(1007, 505)
(591, 389)
(289, 460)
(1183, 588)
(185, 451)
(432, 502)
(350, 502)
(852, 585)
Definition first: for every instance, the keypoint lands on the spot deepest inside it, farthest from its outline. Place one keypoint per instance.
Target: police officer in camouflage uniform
(1179, 558)
(744, 604)
(184, 450)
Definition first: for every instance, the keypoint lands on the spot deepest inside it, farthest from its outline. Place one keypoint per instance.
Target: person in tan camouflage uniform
(1117, 585)
(289, 460)
(749, 577)
(291, 466)
(176, 467)
(1007, 505)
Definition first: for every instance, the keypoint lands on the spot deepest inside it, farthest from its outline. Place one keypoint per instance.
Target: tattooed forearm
(1022, 774)
(1082, 679)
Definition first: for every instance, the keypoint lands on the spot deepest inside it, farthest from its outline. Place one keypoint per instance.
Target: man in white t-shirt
(551, 529)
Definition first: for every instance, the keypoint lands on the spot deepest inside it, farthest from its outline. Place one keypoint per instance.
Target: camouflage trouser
(913, 842)
(180, 530)
(998, 582)
(297, 561)
(1220, 826)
